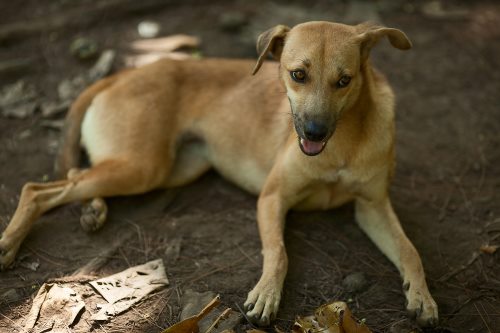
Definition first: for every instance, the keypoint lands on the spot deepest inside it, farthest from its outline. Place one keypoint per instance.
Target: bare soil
(446, 190)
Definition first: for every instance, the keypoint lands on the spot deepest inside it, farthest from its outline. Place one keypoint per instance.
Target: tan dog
(165, 124)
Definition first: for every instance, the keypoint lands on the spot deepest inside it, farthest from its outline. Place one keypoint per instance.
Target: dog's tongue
(311, 147)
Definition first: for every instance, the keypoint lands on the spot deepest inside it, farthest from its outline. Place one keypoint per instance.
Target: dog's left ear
(369, 35)
(272, 41)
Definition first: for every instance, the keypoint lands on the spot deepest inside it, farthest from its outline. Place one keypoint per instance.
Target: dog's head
(320, 67)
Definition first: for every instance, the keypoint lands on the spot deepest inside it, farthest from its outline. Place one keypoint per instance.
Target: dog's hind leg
(94, 211)
(108, 178)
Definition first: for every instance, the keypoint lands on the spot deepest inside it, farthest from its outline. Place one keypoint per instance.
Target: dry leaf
(330, 318)
(489, 249)
(190, 325)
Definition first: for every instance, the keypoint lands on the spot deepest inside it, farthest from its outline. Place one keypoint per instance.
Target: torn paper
(124, 289)
(54, 309)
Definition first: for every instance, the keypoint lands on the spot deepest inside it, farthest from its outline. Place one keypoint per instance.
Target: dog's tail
(69, 152)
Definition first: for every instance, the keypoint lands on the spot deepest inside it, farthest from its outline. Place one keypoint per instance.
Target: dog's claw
(249, 307)
(422, 307)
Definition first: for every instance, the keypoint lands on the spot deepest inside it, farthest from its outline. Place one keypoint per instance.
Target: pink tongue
(311, 147)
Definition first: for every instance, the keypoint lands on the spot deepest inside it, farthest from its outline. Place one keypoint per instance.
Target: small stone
(84, 48)
(148, 29)
(232, 21)
(355, 282)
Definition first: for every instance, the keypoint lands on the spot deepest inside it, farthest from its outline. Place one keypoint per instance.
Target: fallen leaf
(488, 249)
(330, 318)
(190, 325)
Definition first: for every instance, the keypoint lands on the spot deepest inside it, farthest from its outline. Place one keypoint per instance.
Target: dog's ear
(272, 41)
(370, 34)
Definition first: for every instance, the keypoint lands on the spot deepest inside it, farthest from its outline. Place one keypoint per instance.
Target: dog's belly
(244, 172)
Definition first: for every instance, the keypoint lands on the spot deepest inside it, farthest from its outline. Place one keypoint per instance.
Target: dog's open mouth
(311, 148)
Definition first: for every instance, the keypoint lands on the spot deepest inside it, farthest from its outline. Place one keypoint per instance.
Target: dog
(312, 131)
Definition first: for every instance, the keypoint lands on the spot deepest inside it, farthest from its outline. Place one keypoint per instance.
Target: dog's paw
(8, 251)
(93, 215)
(421, 305)
(263, 302)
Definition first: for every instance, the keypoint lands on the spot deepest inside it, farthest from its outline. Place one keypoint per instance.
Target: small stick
(222, 316)
(451, 274)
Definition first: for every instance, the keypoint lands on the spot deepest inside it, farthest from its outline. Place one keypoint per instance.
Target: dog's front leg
(277, 196)
(378, 220)
(263, 301)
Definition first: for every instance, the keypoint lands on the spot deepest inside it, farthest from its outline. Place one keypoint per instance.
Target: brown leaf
(190, 325)
(488, 249)
(330, 318)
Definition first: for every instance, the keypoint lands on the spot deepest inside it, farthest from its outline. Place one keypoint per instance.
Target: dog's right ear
(270, 41)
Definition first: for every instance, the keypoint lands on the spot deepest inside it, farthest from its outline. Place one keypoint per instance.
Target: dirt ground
(446, 189)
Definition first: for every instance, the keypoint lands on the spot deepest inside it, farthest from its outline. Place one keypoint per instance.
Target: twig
(44, 258)
(245, 315)
(246, 255)
(451, 274)
(222, 316)
(482, 318)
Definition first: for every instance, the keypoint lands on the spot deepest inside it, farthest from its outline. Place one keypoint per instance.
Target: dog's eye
(298, 76)
(344, 81)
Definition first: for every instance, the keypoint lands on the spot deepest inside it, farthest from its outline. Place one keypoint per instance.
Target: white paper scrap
(124, 289)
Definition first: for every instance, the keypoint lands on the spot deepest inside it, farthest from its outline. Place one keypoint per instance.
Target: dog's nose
(315, 131)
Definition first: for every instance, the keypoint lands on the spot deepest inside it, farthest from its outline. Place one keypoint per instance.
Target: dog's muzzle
(314, 137)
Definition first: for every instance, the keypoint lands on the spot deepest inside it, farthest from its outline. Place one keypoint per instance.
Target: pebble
(355, 282)
(148, 29)
(84, 48)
